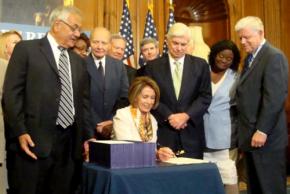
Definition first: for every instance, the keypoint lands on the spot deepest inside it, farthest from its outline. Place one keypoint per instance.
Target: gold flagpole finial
(127, 1)
(150, 6)
(68, 2)
(171, 4)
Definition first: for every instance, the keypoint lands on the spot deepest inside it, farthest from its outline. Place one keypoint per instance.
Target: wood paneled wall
(108, 13)
(274, 14)
(276, 18)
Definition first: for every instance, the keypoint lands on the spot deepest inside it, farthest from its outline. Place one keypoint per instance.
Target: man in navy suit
(44, 144)
(260, 97)
(109, 82)
(182, 103)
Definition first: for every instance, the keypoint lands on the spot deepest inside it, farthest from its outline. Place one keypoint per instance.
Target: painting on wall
(29, 17)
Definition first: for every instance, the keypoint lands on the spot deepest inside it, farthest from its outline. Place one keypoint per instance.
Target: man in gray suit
(261, 93)
(109, 82)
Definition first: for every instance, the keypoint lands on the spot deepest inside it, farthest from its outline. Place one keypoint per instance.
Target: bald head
(100, 40)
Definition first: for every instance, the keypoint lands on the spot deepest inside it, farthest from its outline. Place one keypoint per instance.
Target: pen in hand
(165, 153)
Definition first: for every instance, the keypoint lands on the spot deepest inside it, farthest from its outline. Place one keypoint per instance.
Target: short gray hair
(253, 22)
(118, 37)
(62, 13)
(149, 40)
(178, 29)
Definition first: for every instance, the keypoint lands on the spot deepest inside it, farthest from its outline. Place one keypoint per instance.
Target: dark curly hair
(222, 45)
(85, 38)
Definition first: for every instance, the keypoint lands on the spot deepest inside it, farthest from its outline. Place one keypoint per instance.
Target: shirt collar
(172, 60)
(52, 41)
(98, 60)
(259, 48)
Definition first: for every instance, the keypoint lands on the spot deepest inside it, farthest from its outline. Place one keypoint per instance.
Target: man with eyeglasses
(46, 108)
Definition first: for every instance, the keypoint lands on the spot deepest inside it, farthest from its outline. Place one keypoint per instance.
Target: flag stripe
(149, 32)
(126, 31)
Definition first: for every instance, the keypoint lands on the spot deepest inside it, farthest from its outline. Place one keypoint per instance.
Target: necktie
(248, 61)
(101, 74)
(65, 109)
(177, 78)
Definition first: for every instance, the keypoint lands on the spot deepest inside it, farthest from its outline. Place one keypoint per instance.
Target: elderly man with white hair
(261, 94)
(185, 88)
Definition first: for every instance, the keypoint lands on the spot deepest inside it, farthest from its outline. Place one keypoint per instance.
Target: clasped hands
(178, 120)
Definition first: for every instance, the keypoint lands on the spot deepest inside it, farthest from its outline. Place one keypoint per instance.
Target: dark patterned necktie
(247, 63)
(102, 74)
(65, 110)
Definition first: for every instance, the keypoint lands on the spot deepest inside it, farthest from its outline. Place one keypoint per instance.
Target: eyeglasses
(73, 28)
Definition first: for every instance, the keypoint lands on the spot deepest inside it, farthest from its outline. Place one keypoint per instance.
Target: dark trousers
(266, 172)
(51, 175)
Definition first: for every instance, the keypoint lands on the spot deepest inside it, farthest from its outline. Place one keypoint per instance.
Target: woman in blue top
(224, 59)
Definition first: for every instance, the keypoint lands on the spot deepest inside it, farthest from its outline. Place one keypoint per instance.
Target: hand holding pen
(165, 153)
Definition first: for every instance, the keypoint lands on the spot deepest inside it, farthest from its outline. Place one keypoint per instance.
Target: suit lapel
(255, 63)
(185, 76)
(73, 67)
(47, 52)
(109, 68)
(165, 71)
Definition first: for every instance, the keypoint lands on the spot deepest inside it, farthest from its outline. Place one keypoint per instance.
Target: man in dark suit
(185, 90)
(109, 82)
(149, 50)
(43, 79)
(261, 93)
(117, 51)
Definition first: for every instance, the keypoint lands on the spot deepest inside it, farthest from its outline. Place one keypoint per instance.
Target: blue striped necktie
(248, 61)
(65, 110)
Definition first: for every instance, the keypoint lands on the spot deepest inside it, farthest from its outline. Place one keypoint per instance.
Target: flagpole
(150, 6)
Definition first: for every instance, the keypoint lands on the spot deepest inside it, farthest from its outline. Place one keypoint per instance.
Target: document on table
(183, 160)
(113, 142)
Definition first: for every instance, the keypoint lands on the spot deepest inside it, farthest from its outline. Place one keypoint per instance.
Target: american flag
(149, 32)
(126, 32)
(169, 24)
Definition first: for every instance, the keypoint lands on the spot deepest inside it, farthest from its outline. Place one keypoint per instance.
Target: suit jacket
(131, 73)
(261, 93)
(103, 101)
(31, 97)
(125, 127)
(194, 99)
(217, 119)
